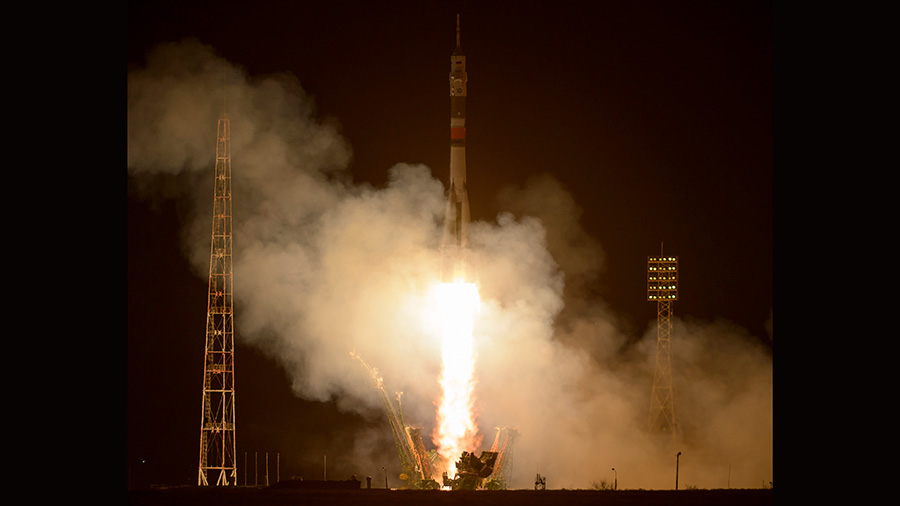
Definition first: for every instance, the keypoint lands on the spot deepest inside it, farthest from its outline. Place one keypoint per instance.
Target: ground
(196, 496)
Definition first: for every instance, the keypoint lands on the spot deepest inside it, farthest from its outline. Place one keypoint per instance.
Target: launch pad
(489, 471)
(471, 471)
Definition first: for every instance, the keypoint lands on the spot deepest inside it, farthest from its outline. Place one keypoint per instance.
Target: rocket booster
(456, 222)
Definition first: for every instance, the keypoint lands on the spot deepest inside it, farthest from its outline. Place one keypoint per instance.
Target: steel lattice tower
(662, 288)
(217, 441)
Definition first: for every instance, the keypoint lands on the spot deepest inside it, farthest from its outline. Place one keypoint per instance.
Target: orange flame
(456, 429)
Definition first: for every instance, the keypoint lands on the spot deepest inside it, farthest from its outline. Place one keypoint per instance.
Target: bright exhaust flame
(456, 428)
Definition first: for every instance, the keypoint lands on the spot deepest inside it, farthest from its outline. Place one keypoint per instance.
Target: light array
(662, 278)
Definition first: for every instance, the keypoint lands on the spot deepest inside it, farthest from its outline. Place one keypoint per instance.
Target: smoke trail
(324, 266)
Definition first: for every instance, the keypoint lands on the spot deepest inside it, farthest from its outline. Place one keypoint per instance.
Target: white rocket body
(456, 225)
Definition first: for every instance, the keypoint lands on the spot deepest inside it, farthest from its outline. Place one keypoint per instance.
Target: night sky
(656, 116)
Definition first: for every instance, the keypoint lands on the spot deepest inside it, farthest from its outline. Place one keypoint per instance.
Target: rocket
(456, 221)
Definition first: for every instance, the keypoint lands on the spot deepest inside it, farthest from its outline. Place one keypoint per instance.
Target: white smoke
(324, 266)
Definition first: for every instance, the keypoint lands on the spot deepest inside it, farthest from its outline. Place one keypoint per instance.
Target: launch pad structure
(662, 288)
(217, 429)
(415, 462)
(492, 470)
(503, 447)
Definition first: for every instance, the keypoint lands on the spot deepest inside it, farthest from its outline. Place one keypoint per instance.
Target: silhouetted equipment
(471, 471)
(677, 458)
(540, 482)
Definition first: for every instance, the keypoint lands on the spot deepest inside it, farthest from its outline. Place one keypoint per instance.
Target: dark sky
(655, 115)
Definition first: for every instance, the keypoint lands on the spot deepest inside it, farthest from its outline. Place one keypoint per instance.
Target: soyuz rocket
(456, 222)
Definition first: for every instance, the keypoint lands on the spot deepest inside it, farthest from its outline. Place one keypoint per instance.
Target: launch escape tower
(662, 288)
(217, 441)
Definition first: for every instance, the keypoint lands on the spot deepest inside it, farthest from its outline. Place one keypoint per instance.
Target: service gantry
(503, 446)
(415, 461)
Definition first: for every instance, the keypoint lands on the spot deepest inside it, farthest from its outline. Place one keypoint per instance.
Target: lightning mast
(217, 435)
(662, 288)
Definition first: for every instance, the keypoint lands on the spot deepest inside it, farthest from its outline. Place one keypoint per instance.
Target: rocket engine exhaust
(456, 429)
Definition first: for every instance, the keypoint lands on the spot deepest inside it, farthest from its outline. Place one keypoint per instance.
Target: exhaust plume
(324, 266)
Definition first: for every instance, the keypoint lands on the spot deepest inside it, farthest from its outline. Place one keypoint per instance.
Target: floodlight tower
(217, 441)
(662, 288)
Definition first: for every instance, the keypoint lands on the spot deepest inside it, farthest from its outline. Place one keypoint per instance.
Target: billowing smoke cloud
(324, 266)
